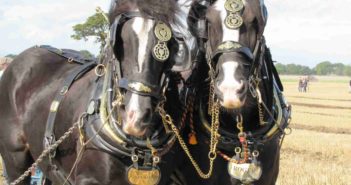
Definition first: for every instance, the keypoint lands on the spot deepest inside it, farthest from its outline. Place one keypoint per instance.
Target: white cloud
(25, 23)
(300, 31)
(311, 30)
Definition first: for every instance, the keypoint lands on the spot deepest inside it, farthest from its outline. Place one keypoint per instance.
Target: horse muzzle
(232, 97)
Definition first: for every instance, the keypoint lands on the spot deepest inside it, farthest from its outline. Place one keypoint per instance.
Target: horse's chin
(232, 102)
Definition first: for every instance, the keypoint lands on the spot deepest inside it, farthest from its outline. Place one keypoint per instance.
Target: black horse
(121, 135)
(241, 89)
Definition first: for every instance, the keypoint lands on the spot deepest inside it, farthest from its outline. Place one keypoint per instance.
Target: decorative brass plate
(246, 172)
(229, 46)
(233, 21)
(143, 177)
(234, 5)
(139, 87)
(163, 32)
(54, 106)
(161, 52)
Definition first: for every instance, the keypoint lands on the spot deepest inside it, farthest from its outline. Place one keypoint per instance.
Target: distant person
(305, 84)
(300, 85)
(350, 86)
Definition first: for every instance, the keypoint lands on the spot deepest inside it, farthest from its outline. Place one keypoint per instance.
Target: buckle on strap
(48, 142)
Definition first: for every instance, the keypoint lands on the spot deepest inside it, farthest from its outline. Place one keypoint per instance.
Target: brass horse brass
(161, 51)
(163, 33)
(233, 21)
(139, 87)
(143, 177)
(234, 5)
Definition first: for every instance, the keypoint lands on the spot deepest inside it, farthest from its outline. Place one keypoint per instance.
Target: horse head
(234, 37)
(143, 44)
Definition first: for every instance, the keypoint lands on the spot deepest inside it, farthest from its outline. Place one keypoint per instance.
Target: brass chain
(259, 102)
(212, 155)
(243, 141)
(210, 98)
(46, 153)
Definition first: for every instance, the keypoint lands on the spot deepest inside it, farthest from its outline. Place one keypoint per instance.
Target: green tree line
(323, 68)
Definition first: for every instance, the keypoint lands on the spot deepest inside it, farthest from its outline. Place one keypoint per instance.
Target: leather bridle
(135, 85)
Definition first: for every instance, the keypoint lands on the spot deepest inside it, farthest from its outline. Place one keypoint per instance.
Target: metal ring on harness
(287, 131)
(70, 60)
(255, 153)
(135, 158)
(100, 70)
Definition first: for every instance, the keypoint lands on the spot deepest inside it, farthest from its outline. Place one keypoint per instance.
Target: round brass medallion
(143, 177)
(234, 5)
(161, 52)
(233, 21)
(163, 32)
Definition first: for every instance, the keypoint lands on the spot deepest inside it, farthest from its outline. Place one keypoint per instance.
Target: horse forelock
(159, 10)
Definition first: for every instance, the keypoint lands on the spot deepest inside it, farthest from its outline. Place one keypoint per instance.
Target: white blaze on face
(133, 104)
(230, 86)
(228, 34)
(132, 115)
(142, 28)
(229, 69)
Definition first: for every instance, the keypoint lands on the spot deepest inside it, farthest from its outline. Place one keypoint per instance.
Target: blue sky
(299, 31)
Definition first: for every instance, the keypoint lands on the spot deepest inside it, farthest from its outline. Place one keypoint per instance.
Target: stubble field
(318, 151)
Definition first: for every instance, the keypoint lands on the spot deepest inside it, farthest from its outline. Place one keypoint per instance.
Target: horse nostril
(131, 115)
(147, 116)
(240, 88)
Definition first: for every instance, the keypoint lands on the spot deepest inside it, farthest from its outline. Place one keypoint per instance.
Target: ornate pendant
(246, 172)
(163, 32)
(161, 52)
(233, 21)
(234, 5)
(143, 177)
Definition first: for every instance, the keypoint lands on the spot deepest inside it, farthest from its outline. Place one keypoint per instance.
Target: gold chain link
(239, 123)
(212, 155)
(210, 98)
(259, 105)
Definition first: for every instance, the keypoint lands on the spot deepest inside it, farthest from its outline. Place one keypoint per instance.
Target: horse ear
(260, 12)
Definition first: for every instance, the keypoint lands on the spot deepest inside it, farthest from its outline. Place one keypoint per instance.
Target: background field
(318, 152)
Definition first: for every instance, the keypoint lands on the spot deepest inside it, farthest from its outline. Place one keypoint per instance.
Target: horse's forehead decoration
(233, 19)
(163, 34)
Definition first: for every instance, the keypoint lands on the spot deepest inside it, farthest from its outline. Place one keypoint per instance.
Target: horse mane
(160, 10)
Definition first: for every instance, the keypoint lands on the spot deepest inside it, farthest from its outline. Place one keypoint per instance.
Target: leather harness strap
(72, 55)
(76, 74)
